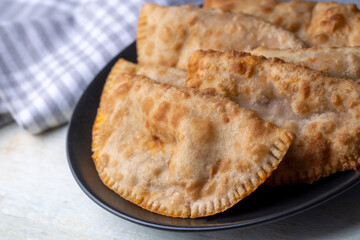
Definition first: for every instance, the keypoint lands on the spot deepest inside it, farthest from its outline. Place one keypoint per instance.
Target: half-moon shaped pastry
(179, 152)
(341, 62)
(161, 73)
(169, 35)
(322, 24)
(292, 15)
(323, 112)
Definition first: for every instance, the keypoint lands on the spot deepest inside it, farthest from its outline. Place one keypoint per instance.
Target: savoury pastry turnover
(179, 152)
(323, 112)
(293, 16)
(343, 62)
(169, 35)
(321, 24)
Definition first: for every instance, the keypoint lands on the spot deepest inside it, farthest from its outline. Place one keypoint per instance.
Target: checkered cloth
(50, 50)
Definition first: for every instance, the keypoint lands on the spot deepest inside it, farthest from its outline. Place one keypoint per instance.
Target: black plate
(264, 205)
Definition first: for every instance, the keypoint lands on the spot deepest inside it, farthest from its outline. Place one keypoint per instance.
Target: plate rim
(269, 218)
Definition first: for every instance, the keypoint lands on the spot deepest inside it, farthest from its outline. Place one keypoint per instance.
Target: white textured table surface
(39, 199)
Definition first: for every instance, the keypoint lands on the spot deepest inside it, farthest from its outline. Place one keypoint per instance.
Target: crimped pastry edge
(276, 153)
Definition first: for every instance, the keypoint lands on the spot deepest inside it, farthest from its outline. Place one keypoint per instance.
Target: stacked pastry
(204, 118)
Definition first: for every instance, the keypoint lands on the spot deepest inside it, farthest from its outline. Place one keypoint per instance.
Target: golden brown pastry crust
(161, 73)
(325, 24)
(179, 152)
(333, 25)
(169, 35)
(343, 62)
(293, 16)
(323, 112)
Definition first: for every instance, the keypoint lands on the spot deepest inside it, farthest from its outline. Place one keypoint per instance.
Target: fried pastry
(341, 62)
(333, 25)
(169, 35)
(161, 73)
(293, 16)
(322, 24)
(179, 152)
(323, 112)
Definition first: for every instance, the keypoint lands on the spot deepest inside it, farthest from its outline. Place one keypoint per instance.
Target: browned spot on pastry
(293, 27)
(329, 127)
(229, 88)
(123, 89)
(228, 6)
(304, 90)
(195, 83)
(242, 67)
(312, 127)
(162, 111)
(335, 22)
(156, 142)
(317, 150)
(214, 169)
(182, 32)
(336, 100)
(166, 34)
(211, 91)
(242, 165)
(321, 38)
(302, 108)
(179, 112)
(177, 46)
(192, 20)
(206, 130)
(258, 128)
(119, 115)
(157, 171)
(353, 104)
(352, 7)
(278, 20)
(147, 105)
(258, 151)
(345, 138)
